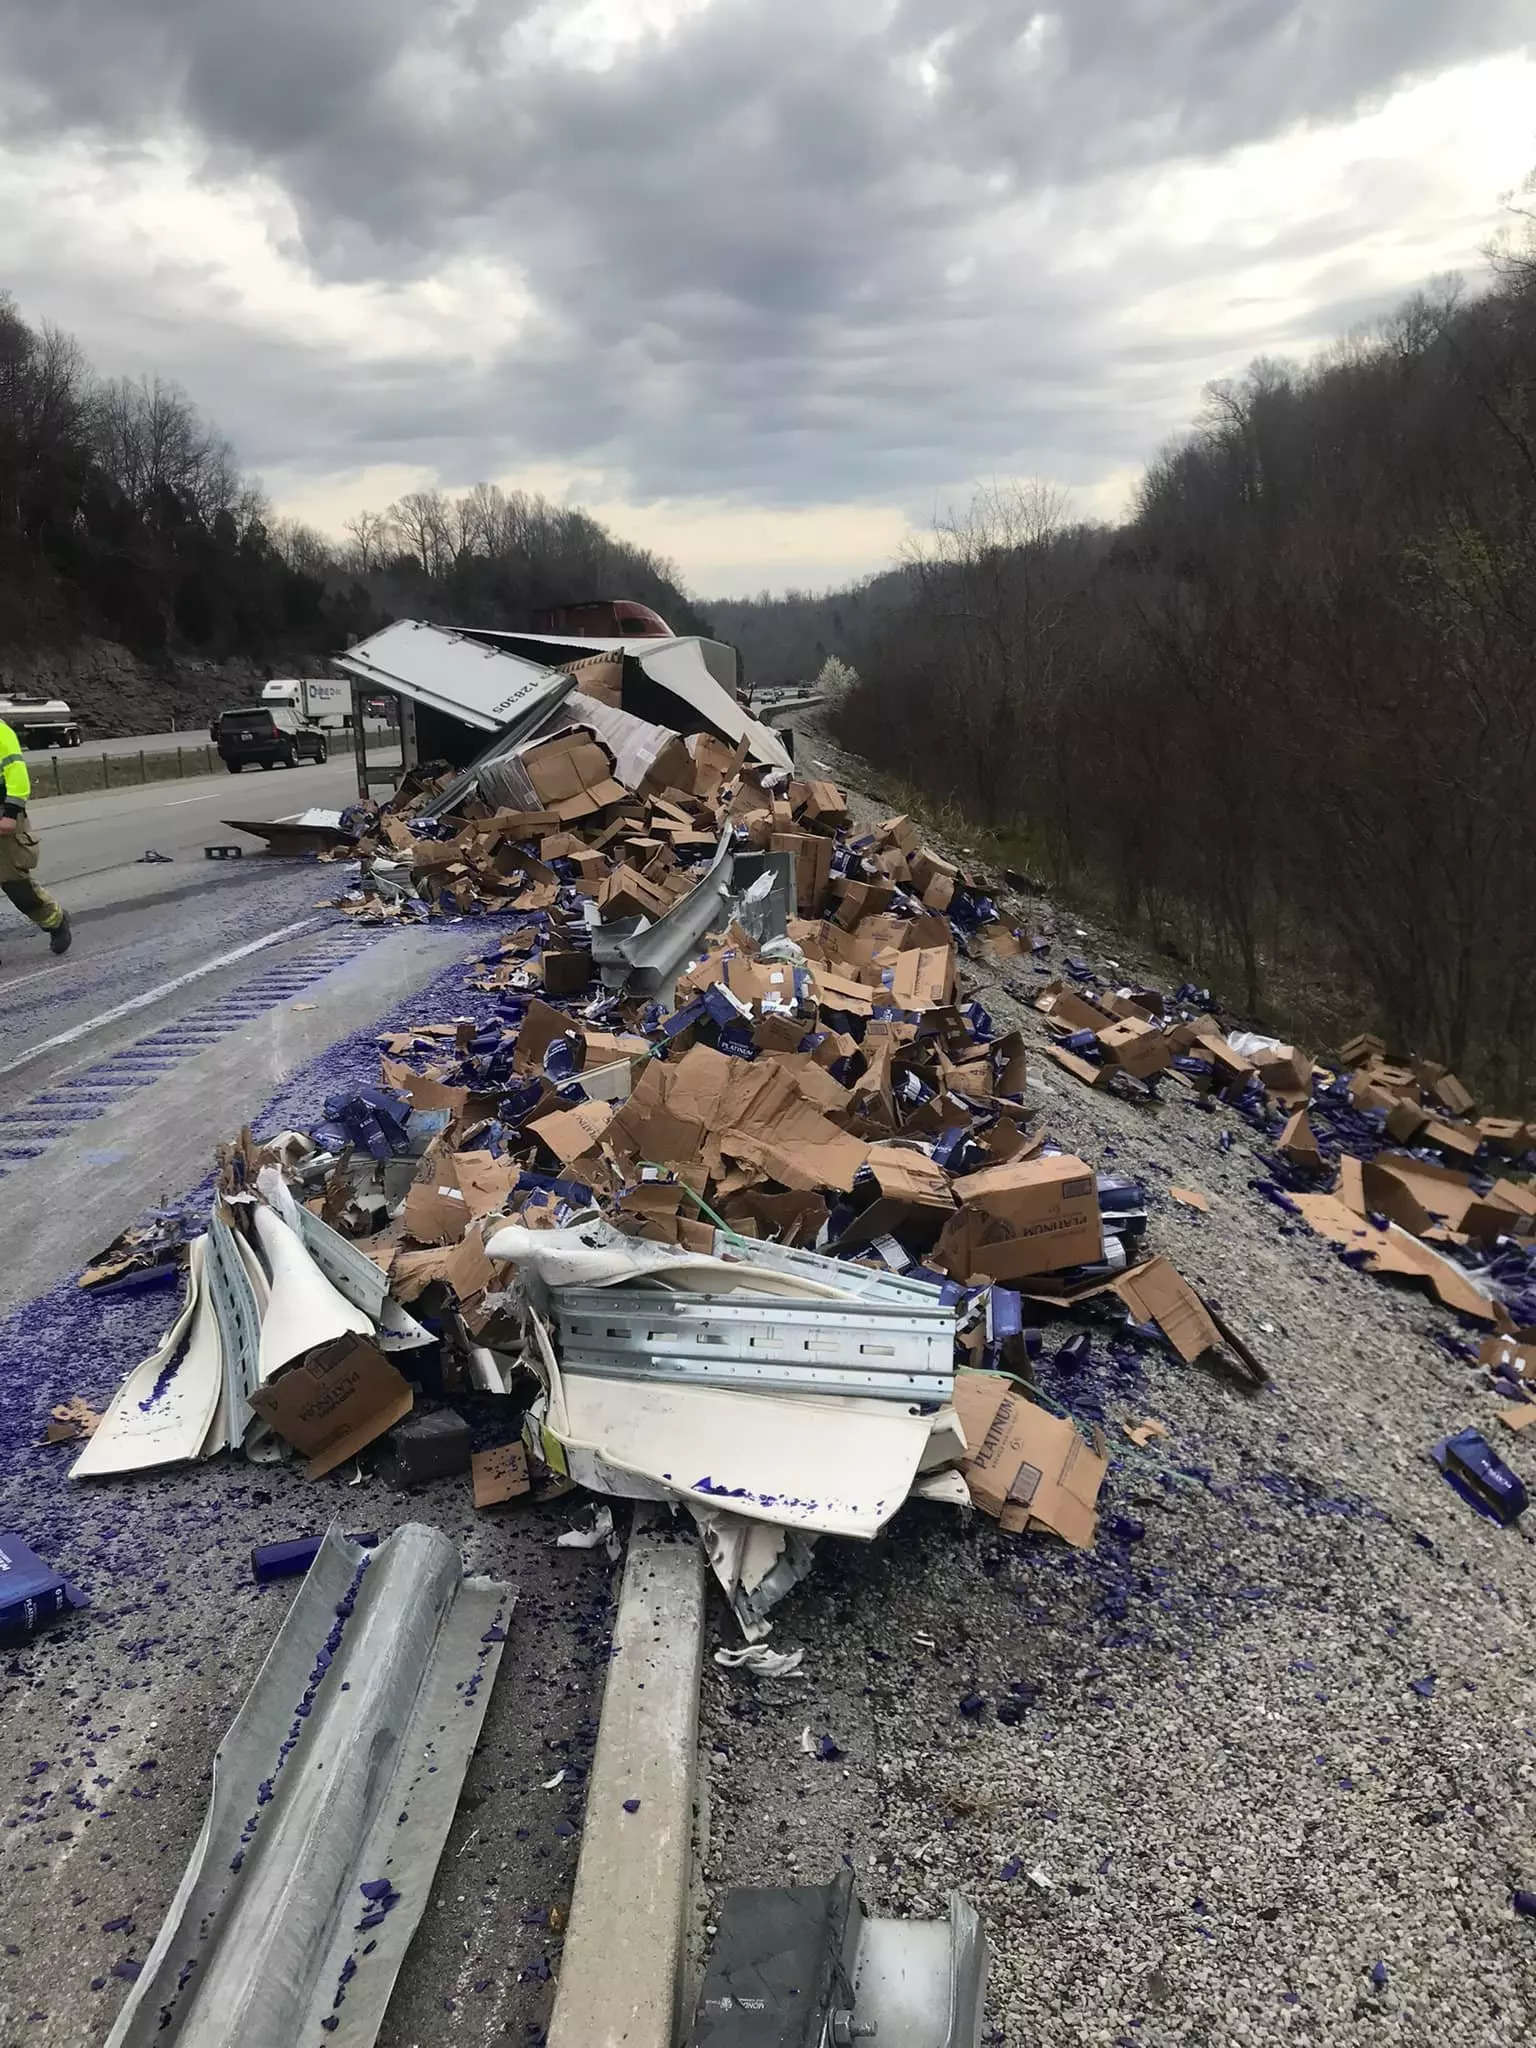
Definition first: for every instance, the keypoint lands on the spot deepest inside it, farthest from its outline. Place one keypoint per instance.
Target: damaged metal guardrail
(333, 1793)
(890, 1351)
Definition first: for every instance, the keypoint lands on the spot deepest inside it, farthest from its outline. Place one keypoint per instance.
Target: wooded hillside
(1287, 715)
(125, 516)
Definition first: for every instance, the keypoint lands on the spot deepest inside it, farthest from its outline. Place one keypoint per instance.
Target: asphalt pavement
(200, 995)
(151, 742)
(132, 743)
(143, 924)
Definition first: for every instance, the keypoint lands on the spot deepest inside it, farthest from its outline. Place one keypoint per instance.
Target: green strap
(718, 1221)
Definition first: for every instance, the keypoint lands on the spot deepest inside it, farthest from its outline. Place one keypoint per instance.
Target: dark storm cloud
(740, 240)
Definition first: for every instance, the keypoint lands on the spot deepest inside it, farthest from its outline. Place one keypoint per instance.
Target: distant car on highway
(268, 734)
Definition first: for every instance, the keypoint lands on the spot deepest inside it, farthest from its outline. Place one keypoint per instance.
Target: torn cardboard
(334, 1402)
(435, 1212)
(573, 776)
(913, 1201)
(1298, 1143)
(571, 1133)
(499, 1474)
(1028, 1469)
(1393, 1250)
(1144, 1432)
(1155, 1293)
(1158, 1296)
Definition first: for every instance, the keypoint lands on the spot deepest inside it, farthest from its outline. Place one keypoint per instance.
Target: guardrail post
(53, 762)
(106, 782)
(143, 767)
(181, 766)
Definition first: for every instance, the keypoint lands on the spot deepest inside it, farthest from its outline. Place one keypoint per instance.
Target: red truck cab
(607, 618)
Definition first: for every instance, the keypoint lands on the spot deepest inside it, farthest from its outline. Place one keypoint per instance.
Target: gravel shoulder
(1206, 1789)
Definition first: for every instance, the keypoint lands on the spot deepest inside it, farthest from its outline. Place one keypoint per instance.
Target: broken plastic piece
(761, 1661)
(600, 1532)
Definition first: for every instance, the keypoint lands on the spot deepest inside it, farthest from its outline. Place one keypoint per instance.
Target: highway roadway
(139, 923)
(197, 994)
(150, 742)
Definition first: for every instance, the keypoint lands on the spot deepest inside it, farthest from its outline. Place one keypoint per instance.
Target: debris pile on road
(1387, 1156)
(726, 1195)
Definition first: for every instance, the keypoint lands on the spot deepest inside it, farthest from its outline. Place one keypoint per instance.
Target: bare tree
(157, 448)
(252, 510)
(300, 547)
(371, 533)
(482, 517)
(46, 408)
(422, 519)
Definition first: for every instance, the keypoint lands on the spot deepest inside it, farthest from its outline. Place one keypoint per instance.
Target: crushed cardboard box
(334, 1402)
(1026, 1216)
(1025, 1467)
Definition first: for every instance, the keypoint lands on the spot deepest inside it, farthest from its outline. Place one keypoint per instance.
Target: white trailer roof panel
(484, 686)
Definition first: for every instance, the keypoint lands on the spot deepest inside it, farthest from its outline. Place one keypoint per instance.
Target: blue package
(286, 1560)
(1005, 1313)
(560, 1059)
(679, 1021)
(722, 1007)
(1481, 1477)
(31, 1592)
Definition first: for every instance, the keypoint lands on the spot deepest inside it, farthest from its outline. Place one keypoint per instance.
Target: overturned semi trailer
(466, 696)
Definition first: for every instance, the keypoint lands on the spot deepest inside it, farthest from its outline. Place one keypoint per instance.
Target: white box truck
(317, 701)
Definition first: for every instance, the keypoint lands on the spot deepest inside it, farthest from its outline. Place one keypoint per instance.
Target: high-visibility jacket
(15, 782)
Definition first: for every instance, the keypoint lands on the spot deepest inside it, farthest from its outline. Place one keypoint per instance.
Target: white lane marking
(177, 802)
(166, 988)
(21, 979)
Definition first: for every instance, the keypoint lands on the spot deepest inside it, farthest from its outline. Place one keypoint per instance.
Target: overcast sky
(762, 282)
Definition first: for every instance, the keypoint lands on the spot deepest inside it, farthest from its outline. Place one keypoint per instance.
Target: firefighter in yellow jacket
(18, 846)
